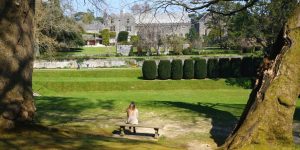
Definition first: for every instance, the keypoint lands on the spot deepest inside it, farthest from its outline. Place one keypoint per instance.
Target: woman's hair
(131, 106)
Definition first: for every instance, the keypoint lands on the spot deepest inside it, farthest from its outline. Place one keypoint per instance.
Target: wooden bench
(123, 125)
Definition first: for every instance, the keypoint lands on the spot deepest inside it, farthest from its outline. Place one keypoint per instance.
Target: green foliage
(85, 17)
(176, 69)
(149, 70)
(235, 67)
(247, 67)
(134, 39)
(224, 66)
(112, 34)
(123, 36)
(188, 69)
(176, 43)
(212, 68)
(192, 35)
(187, 51)
(105, 33)
(200, 69)
(164, 69)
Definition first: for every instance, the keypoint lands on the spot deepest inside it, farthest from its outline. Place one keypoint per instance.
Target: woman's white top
(133, 117)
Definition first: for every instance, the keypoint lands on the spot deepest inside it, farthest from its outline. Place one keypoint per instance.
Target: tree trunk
(16, 61)
(267, 119)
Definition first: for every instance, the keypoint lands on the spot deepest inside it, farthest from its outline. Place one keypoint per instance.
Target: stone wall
(91, 63)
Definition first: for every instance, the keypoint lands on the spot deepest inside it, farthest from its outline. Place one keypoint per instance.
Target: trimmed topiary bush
(149, 70)
(200, 69)
(235, 67)
(247, 67)
(176, 69)
(212, 68)
(188, 69)
(164, 70)
(224, 67)
(123, 36)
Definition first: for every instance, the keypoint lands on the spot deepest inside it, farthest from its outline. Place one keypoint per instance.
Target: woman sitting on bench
(132, 115)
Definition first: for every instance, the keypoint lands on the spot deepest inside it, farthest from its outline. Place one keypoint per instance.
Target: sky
(112, 6)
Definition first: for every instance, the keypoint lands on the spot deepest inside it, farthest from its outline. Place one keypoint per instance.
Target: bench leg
(134, 131)
(122, 130)
(156, 133)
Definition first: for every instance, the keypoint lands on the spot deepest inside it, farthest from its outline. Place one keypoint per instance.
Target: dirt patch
(196, 145)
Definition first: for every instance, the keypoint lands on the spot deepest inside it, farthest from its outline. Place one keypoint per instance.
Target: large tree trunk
(16, 62)
(267, 119)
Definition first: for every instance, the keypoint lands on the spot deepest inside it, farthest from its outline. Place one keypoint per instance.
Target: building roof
(162, 18)
(94, 27)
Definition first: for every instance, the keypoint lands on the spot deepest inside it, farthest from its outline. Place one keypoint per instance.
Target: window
(112, 28)
(112, 21)
(128, 20)
(128, 28)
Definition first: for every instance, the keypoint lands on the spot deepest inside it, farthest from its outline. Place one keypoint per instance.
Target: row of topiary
(200, 68)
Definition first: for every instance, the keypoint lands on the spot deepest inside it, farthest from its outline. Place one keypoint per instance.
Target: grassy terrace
(85, 105)
(109, 52)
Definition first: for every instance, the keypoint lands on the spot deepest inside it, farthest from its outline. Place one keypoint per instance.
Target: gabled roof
(94, 27)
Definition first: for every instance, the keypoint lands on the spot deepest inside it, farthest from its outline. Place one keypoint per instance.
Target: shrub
(235, 67)
(105, 37)
(247, 67)
(164, 69)
(134, 40)
(200, 69)
(176, 69)
(149, 70)
(224, 67)
(122, 36)
(112, 34)
(212, 68)
(188, 69)
(187, 51)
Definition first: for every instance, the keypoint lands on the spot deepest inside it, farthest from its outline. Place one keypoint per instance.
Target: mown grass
(86, 104)
(89, 51)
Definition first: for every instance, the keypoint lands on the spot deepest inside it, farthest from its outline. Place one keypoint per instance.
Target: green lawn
(86, 104)
(90, 51)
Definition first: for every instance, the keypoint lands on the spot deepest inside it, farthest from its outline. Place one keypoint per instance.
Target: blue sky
(112, 6)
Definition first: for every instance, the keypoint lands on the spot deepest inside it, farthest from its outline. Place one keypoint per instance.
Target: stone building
(154, 24)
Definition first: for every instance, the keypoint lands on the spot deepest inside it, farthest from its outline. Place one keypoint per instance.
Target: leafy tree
(105, 33)
(134, 40)
(53, 30)
(86, 17)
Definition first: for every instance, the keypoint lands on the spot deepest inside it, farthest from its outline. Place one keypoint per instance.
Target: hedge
(164, 70)
(176, 69)
(212, 68)
(188, 69)
(149, 70)
(247, 67)
(224, 67)
(200, 69)
(235, 67)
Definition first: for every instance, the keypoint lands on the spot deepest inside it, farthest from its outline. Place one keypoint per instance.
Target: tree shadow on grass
(222, 122)
(71, 50)
(34, 136)
(60, 110)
